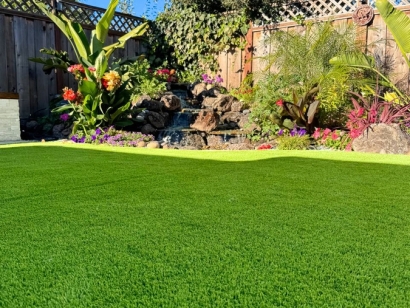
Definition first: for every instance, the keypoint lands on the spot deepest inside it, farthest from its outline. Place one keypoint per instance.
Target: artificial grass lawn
(104, 227)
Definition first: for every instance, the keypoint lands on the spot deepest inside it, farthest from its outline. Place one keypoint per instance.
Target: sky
(140, 6)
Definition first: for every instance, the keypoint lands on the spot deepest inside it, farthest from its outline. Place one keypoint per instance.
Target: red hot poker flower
(279, 102)
(69, 94)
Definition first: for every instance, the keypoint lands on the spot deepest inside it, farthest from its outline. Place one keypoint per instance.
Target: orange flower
(111, 80)
(69, 94)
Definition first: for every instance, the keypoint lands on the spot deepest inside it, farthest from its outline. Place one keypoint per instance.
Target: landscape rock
(153, 145)
(193, 141)
(148, 129)
(198, 89)
(214, 141)
(156, 119)
(208, 102)
(31, 125)
(140, 100)
(152, 105)
(237, 106)
(223, 103)
(171, 102)
(246, 125)
(382, 138)
(141, 144)
(231, 116)
(206, 121)
(57, 129)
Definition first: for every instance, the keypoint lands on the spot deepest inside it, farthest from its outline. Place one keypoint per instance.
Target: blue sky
(140, 6)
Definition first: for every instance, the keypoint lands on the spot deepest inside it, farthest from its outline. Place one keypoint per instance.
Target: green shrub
(293, 142)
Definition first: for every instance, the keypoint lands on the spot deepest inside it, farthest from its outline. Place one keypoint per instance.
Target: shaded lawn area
(103, 227)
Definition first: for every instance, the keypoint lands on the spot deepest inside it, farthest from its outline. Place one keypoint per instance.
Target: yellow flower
(111, 80)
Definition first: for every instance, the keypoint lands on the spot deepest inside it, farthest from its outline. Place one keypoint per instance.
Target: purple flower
(293, 132)
(219, 79)
(98, 131)
(82, 140)
(204, 77)
(93, 137)
(64, 117)
(302, 132)
(280, 133)
(74, 138)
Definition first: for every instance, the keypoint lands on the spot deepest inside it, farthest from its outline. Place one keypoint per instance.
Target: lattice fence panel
(325, 8)
(89, 16)
(26, 6)
(77, 12)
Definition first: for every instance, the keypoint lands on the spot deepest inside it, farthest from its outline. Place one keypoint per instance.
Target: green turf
(103, 227)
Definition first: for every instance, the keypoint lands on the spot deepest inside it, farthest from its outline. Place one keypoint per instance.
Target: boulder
(246, 125)
(208, 102)
(382, 138)
(142, 144)
(57, 131)
(223, 103)
(148, 129)
(140, 100)
(156, 119)
(171, 102)
(237, 106)
(193, 141)
(206, 121)
(31, 125)
(214, 141)
(231, 116)
(198, 89)
(153, 145)
(152, 105)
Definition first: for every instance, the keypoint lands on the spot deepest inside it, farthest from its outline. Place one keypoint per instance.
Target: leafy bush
(113, 137)
(374, 111)
(295, 139)
(298, 71)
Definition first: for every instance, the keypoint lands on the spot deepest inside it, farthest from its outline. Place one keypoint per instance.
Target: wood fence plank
(234, 68)
(10, 56)
(21, 53)
(3, 57)
(50, 39)
(41, 78)
(32, 36)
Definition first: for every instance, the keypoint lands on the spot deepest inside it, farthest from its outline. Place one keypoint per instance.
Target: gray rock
(148, 129)
(192, 141)
(139, 100)
(152, 105)
(57, 129)
(156, 119)
(198, 89)
(214, 141)
(223, 103)
(206, 121)
(382, 138)
(32, 125)
(208, 102)
(171, 102)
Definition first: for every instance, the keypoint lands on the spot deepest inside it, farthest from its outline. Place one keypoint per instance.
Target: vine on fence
(183, 37)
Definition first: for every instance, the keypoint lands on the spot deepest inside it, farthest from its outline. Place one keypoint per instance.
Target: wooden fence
(24, 31)
(236, 64)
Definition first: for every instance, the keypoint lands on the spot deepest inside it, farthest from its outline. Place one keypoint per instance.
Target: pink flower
(326, 133)
(348, 148)
(354, 133)
(335, 135)
(91, 69)
(316, 134)
(76, 68)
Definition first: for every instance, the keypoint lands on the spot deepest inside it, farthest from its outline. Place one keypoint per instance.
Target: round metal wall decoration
(363, 15)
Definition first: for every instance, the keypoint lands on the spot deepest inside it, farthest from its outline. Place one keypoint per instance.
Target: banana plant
(92, 53)
(398, 24)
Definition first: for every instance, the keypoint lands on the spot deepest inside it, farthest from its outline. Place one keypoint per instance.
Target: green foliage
(56, 60)
(143, 81)
(293, 142)
(246, 92)
(297, 71)
(187, 39)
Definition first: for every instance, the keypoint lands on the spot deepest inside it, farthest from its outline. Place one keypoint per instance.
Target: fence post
(248, 53)
(57, 46)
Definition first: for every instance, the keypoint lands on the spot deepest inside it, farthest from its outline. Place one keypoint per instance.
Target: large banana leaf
(361, 61)
(100, 33)
(399, 25)
(138, 31)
